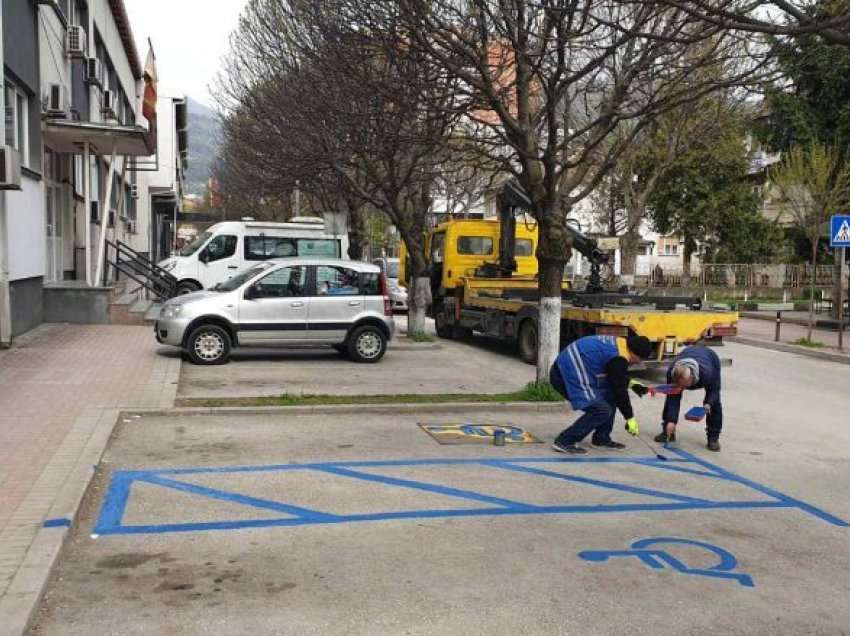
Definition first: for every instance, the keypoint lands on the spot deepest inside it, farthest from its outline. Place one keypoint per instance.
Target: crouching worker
(592, 375)
(695, 368)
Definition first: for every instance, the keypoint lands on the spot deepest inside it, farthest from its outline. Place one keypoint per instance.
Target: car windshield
(195, 245)
(241, 278)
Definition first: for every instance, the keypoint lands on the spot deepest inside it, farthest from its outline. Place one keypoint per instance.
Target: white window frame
(20, 140)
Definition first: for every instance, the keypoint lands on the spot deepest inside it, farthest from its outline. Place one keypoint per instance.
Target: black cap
(640, 346)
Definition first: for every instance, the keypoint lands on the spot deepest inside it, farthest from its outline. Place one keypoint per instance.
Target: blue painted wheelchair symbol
(657, 559)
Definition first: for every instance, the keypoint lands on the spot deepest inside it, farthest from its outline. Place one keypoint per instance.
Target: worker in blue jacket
(696, 367)
(592, 375)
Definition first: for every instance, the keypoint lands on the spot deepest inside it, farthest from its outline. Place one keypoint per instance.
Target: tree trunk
(687, 253)
(549, 324)
(629, 244)
(419, 301)
(357, 232)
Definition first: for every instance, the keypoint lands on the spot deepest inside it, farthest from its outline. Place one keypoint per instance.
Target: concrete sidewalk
(61, 390)
(761, 333)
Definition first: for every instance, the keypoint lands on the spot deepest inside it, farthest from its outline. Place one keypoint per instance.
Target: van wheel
(527, 341)
(367, 344)
(187, 287)
(209, 344)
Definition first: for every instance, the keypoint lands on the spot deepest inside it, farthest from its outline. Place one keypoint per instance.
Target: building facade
(73, 86)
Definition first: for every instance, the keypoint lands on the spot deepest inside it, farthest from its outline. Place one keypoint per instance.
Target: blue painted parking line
(111, 519)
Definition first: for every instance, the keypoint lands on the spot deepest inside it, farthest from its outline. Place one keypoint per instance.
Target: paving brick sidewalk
(61, 389)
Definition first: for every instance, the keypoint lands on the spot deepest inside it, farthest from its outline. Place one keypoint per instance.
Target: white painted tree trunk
(419, 302)
(549, 336)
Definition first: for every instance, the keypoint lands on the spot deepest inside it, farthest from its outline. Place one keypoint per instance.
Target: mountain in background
(204, 142)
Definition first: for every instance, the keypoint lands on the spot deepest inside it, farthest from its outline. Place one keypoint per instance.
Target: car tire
(367, 344)
(187, 287)
(341, 349)
(527, 341)
(208, 345)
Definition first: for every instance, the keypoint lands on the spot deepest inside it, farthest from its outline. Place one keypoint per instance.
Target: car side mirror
(251, 293)
(204, 257)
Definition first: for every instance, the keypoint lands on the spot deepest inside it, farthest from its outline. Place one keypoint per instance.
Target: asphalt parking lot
(361, 523)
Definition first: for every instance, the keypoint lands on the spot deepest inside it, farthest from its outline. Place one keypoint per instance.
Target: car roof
(360, 266)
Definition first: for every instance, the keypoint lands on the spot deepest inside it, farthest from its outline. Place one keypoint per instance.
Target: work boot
(662, 438)
(609, 445)
(569, 449)
(713, 445)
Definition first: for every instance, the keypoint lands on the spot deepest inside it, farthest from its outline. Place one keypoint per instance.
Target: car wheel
(209, 344)
(527, 341)
(367, 344)
(187, 287)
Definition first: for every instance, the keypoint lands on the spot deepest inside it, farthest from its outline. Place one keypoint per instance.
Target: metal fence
(743, 276)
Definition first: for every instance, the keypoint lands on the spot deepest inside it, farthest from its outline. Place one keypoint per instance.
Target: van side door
(219, 260)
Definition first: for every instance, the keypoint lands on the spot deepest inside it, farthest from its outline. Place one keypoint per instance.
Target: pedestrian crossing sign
(839, 235)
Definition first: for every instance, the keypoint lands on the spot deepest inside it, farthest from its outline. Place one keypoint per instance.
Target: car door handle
(353, 303)
(297, 303)
(232, 267)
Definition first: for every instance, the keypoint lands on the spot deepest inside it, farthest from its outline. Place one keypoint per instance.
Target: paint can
(498, 437)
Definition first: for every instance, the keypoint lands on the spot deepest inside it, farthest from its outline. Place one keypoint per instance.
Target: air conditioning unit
(94, 214)
(107, 104)
(94, 71)
(76, 42)
(56, 105)
(131, 227)
(10, 168)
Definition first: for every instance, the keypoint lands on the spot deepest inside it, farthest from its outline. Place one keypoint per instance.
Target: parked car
(285, 302)
(398, 294)
(229, 247)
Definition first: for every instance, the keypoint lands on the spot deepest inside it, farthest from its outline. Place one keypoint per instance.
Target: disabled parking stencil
(657, 559)
(472, 433)
(466, 501)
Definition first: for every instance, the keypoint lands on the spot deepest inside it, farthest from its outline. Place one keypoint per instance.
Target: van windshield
(195, 245)
(241, 278)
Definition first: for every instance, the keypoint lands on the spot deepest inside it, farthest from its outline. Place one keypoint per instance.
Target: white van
(227, 248)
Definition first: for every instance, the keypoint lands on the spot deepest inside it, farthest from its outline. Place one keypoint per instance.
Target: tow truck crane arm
(512, 198)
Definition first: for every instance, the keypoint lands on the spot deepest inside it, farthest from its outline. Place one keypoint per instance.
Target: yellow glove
(632, 427)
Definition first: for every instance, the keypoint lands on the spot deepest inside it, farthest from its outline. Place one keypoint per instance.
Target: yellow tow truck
(484, 279)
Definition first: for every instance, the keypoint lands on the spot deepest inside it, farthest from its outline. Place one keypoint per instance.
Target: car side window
(474, 245)
(337, 281)
(222, 246)
(287, 282)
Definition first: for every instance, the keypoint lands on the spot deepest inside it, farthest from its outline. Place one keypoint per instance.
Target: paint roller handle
(639, 389)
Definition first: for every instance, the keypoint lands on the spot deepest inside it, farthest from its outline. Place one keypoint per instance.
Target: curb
(20, 604)
(787, 348)
(337, 409)
(829, 324)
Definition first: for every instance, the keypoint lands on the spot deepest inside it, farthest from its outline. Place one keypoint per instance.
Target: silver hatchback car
(294, 301)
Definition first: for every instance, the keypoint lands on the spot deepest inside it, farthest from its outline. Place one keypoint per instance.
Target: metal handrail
(141, 270)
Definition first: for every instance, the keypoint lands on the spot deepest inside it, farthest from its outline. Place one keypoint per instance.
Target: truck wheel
(367, 344)
(187, 287)
(441, 324)
(209, 344)
(527, 341)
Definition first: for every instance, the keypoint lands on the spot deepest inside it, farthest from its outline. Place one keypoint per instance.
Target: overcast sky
(189, 39)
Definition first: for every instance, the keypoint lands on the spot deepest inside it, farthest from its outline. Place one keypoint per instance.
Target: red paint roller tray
(666, 389)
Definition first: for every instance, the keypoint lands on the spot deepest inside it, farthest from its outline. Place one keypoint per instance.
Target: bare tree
(341, 96)
(560, 90)
(814, 185)
(830, 20)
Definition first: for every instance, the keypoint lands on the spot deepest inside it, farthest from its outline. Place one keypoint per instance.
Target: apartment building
(73, 90)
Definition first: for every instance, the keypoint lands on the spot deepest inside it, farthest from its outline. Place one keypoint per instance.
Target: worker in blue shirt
(592, 375)
(696, 367)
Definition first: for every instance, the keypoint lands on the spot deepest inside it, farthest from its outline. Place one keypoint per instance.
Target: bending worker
(697, 367)
(592, 375)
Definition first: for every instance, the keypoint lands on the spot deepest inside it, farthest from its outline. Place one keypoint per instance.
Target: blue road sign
(839, 234)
